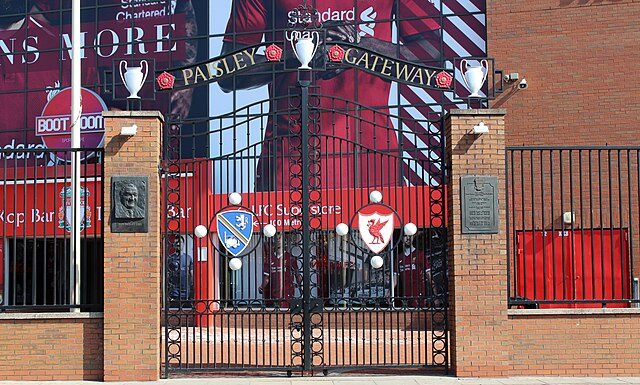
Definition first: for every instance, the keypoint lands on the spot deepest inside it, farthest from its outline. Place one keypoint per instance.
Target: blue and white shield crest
(235, 228)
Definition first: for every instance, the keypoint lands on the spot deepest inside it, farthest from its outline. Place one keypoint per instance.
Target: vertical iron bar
(524, 226)
(306, 272)
(544, 225)
(571, 235)
(553, 227)
(593, 265)
(620, 227)
(533, 227)
(602, 276)
(630, 237)
(580, 184)
(610, 178)
(562, 229)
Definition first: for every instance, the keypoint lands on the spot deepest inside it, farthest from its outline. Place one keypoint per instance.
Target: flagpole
(76, 112)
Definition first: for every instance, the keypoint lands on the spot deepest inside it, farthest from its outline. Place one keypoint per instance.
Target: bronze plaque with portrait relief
(129, 204)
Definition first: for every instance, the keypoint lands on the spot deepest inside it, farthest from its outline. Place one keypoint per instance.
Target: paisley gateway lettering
(396, 70)
(390, 68)
(210, 71)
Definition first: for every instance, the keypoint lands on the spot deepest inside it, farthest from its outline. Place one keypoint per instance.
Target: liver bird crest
(376, 229)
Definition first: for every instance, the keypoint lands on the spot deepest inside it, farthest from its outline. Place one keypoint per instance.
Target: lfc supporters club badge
(65, 213)
(235, 228)
(376, 227)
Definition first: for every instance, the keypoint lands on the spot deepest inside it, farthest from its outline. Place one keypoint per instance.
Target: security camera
(523, 85)
(512, 77)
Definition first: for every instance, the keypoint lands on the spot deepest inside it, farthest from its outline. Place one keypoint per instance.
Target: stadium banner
(335, 206)
(42, 207)
(374, 58)
(35, 62)
(35, 53)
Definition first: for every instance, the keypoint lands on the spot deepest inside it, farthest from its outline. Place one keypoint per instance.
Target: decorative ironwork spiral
(438, 244)
(296, 237)
(315, 226)
(172, 246)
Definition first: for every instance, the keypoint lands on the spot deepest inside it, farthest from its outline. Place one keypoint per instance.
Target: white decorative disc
(342, 229)
(375, 196)
(200, 231)
(377, 262)
(269, 230)
(235, 264)
(235, 198)
(410, 229)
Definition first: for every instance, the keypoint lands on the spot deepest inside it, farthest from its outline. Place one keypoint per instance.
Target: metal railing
(36, 266)
(572, 225)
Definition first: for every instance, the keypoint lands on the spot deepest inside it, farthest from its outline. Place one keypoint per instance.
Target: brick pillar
(132, 260)
(477, 262)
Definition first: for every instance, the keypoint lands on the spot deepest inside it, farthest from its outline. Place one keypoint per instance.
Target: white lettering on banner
(140, 15)
(56, 125)
(298, 35)
(8, 52)
(139, 35)
(261, 210)
(296, 18)
(283, 214)
(282, 210)
(107, 43)
(36, 215)
(31, 50)
(174, 212)
(12, 218)
(21, 155)
(162, 37)
(28, 49)
(286, 222)
(66, 41)
(139, 3)
(44, 217)
(367, 17)
(101, 42)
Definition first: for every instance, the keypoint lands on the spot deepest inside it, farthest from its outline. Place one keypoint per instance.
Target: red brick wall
(580, 59)
(51, 349)
(477, 262)
(575, 345)
(132, 260)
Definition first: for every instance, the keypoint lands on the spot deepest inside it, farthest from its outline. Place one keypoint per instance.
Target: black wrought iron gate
(311, 239)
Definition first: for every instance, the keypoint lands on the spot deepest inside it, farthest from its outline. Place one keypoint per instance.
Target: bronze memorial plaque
(129, 213)
(479, 204)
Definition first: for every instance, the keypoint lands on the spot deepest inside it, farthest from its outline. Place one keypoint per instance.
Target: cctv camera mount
(523, 84)
(512, 77)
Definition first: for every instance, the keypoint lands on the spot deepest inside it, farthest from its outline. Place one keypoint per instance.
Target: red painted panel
(573, 265)
(602, 266)
(36, 207)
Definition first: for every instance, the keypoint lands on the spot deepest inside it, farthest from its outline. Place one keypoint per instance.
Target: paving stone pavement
(339, 379)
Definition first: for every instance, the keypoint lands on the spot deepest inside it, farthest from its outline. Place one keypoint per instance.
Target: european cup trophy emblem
(304, 44)
(134, 77)
(474, 76)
